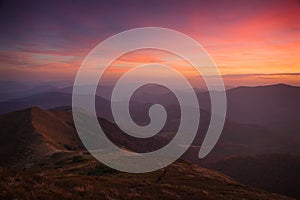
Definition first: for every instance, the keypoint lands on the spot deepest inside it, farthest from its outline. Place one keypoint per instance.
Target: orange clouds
(242, 37)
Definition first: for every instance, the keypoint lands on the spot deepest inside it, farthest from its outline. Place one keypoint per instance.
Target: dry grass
(78, 176)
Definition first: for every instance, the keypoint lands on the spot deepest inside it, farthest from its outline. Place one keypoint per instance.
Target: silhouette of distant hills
(279, 173)
(13, 89)
(264, 103)
(250, 105)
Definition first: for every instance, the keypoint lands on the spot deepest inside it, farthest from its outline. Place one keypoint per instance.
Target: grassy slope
(74, 176)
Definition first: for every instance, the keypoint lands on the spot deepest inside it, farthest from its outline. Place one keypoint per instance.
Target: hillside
(263, 104)
(277, 173)
(41, 148)
(78, 176)
(32, 134)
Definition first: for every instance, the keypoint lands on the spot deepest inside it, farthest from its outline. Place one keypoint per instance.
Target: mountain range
(259, 145)
(251, 105)
(40, 150)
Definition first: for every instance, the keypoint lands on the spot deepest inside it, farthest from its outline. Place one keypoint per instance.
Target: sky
(251, 42)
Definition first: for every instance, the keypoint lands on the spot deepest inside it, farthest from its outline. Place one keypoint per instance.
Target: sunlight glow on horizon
(251, 42)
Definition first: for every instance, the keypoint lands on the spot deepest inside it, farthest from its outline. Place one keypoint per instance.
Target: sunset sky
(251, 42)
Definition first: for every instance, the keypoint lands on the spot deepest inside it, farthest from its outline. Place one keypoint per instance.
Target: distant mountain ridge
(249, 105)
(264, 104)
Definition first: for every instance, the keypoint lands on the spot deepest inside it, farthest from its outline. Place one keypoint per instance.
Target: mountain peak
(34, 109)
